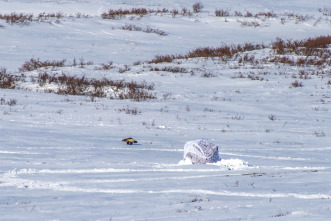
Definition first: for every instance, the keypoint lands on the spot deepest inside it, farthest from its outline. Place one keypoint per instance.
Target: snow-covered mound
(201, 151)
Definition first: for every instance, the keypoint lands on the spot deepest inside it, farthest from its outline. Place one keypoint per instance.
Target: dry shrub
(282, 60)
(186, 12)
(24, 19)
(266, 14)
(249, 24)
(238, 14)
(73, 85)
(116, 14)
(11, 102)
(15, 18)
(128, 110)
(174, 12)
(248, 14)
(207, 75)
(318, 42)
(296, 84)
(120, 13)
(7, 81)
(107, 66)
(222, 13)
(34, 64)
(307, 47)
(170, 69)
(302, 18)
(162, 58)
(207, 52)
(131, 27)
(247, 59)
(225, 52)
(44, 16)
(155, 31)
(279, 46)
(82, 62)
(197, 7)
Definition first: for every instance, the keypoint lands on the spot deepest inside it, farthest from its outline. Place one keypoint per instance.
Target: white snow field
(266, 107)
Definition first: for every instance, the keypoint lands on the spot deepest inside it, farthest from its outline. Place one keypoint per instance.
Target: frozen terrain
(61, 155)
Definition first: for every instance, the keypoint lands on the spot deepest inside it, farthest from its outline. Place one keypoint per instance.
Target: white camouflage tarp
(201, 152)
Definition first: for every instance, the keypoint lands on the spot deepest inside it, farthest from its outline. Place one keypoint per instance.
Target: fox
(130, 141)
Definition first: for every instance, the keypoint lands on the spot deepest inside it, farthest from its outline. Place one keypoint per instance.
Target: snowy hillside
(76, 77)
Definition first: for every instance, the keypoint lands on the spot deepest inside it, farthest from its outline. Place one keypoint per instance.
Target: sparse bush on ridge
(34, 64)
(314, 49)
(15, 18)
(140, 12)
(163, 58)
(25, 18)
(311, 52)
(119, 13)
(73, 85)
(107, 66)
(44, 16)
(308, 47)
(208, 52)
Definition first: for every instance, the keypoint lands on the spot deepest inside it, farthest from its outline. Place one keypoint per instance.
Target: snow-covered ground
(62, 158)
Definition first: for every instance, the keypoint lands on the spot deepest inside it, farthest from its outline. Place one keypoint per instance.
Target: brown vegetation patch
(73, 85)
